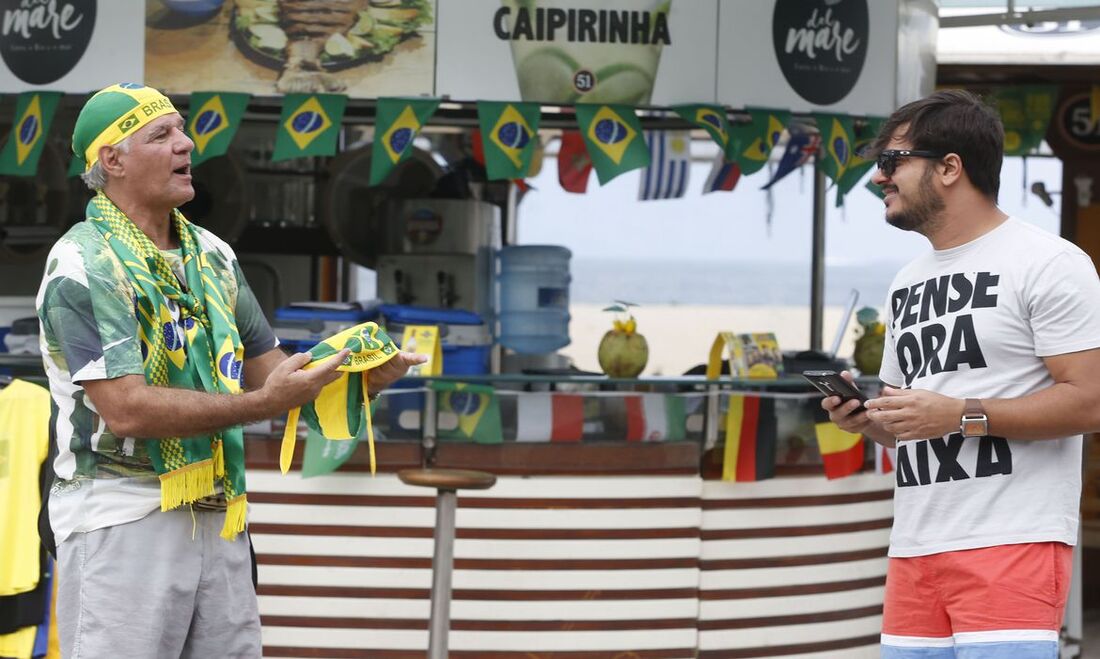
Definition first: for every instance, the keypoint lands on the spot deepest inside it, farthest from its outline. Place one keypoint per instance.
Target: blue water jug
(534, 298)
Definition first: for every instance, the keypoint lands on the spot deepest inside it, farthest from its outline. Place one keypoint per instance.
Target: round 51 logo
(821, 46)
(1076, 124)
(42, 40)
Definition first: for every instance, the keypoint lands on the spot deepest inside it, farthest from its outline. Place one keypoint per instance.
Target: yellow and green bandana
(113, 114)
(208, 357)
(342, 411)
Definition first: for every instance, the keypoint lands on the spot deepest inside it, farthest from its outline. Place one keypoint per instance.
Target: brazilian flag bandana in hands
(342, 410)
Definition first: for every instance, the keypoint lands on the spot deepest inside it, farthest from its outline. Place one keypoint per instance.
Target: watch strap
(973, 407)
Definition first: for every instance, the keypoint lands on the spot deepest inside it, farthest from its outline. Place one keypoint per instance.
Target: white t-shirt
(975, 321)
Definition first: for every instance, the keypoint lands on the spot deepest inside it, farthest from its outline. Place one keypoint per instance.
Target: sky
(610, 223)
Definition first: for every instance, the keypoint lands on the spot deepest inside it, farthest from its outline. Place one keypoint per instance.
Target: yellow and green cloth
(208, 356)
(113, 114)
(342, 410)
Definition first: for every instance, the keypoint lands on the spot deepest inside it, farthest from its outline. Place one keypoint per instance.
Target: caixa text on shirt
(915, 460)
(929, 308)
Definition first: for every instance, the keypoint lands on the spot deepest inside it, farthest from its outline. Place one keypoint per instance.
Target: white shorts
(166, 585)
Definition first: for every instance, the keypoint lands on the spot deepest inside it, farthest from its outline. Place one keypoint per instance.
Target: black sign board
(42, 40)
(821, 46)
(1076, 125)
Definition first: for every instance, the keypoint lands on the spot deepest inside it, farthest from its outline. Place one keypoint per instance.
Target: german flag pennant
(750, 439)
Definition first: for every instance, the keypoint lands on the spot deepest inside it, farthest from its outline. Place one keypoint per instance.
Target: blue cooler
(303, 325)
(465, 346)
(463, 334)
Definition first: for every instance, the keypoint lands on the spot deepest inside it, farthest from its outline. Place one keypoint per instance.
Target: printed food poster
(361, 48)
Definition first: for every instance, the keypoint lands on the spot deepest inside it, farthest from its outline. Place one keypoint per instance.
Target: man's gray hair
(96, 178)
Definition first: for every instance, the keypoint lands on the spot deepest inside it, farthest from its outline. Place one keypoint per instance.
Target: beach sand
(680, 337)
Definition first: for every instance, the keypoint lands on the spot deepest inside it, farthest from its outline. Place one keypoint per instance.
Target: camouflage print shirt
(86, 307)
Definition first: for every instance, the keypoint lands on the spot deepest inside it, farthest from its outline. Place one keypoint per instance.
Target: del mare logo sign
(821, 46)
(42, 40)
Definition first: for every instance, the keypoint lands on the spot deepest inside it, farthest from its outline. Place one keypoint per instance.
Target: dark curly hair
(953, 121)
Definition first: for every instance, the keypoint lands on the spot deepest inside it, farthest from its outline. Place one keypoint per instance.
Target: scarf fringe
(235, 515)
(218, 450)
(186, 484)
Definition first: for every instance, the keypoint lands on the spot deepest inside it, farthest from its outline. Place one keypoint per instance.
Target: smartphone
(831, 383)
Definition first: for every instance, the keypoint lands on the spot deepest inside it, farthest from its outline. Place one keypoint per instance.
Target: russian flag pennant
(723, 177)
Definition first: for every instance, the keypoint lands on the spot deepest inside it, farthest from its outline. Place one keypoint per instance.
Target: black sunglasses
(887, 160)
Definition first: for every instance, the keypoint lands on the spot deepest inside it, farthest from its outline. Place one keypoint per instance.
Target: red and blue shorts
(1003, 602)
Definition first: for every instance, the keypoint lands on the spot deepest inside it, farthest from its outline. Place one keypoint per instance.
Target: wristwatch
(974, 421)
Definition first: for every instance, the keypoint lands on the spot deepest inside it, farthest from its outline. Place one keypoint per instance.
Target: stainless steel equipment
(355, 211)
(439, 253)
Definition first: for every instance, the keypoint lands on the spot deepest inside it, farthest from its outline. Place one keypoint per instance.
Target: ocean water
(763, 283)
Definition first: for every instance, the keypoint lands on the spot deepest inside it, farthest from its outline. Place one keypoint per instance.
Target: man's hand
(289, 385)
(847, 416)
(915, 413)
(393, 370)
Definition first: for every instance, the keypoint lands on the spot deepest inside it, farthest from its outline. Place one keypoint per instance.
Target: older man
(156, 352)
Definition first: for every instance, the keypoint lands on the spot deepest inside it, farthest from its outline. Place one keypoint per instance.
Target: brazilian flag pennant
(324, 456)
(76, 166)
(396, 124)
(309, 125)
(1025, 112)
(477, 409)
(614, 139)
(836, 141)
(860, 163)
(751, 144)
(76, 162)
(33, 114)
(509, 137)
(213, 122)
(875, 190)
(711, 118)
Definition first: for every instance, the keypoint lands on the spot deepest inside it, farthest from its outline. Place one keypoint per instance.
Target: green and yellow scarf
(208, 358)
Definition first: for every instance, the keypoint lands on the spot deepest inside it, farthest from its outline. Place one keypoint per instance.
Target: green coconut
(623, 352)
